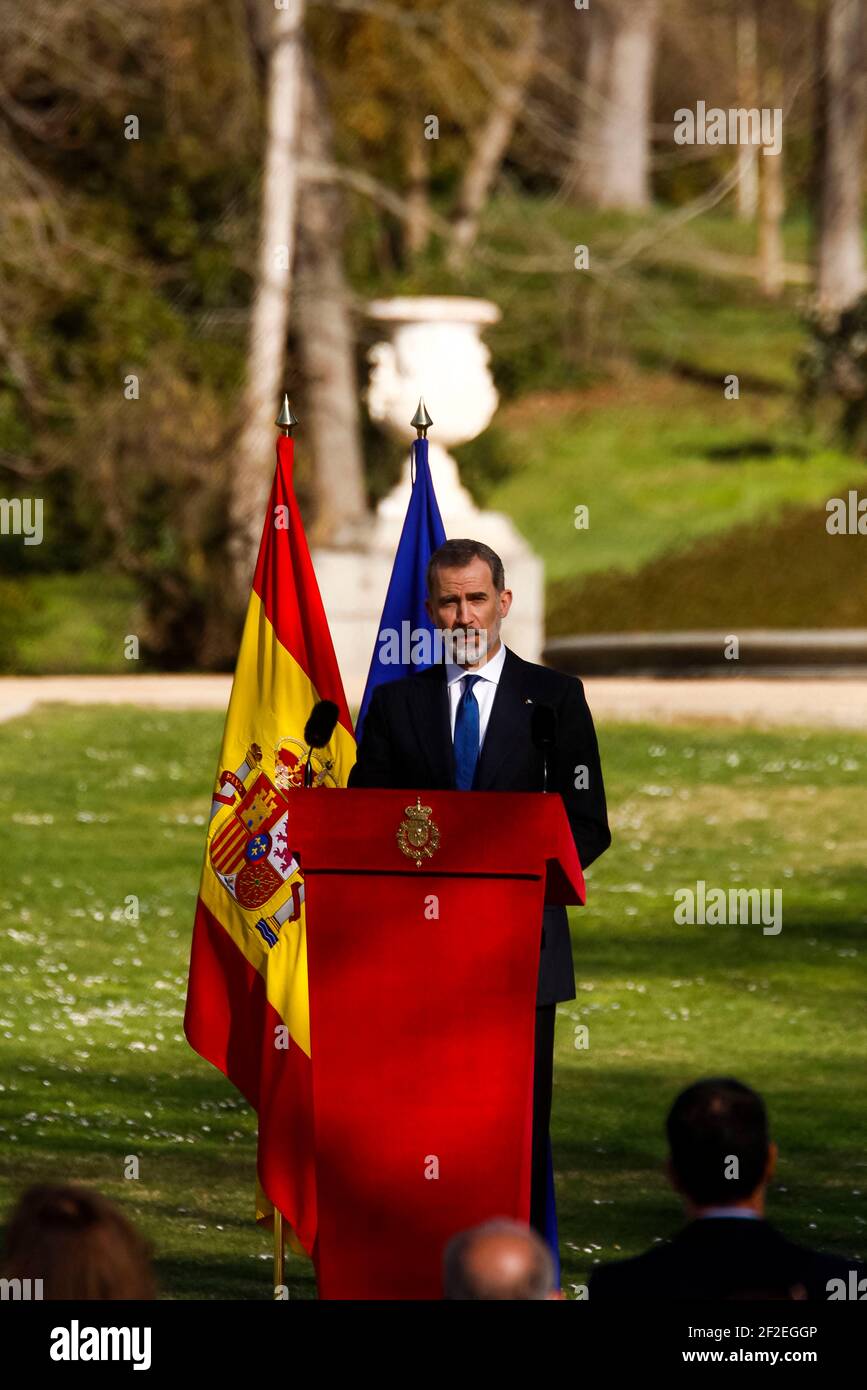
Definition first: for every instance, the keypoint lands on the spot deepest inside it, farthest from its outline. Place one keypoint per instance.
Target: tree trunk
(326, 338)
(840, 259)
(494, 139)
(772, 251)
(417, 224)
(269, 316)
(747, 41)
(613, 162)
(585, 177)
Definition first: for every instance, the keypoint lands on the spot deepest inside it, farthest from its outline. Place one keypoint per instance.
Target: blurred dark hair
(710, 1122)
(79, 1244)
(460, 552)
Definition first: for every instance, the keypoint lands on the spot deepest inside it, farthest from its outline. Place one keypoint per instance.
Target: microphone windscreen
(320, 726)
(543, 726)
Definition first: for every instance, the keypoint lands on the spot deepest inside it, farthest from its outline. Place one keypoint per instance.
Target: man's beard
(466, 646)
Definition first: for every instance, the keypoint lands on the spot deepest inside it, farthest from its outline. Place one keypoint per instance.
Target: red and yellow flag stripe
(247, 1003)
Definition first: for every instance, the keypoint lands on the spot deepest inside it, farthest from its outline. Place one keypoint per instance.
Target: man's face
(465, 602)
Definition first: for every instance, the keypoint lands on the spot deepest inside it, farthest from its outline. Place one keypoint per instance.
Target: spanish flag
(247, 1007)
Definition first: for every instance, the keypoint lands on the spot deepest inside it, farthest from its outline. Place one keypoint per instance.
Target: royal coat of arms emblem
(250, 850)
(418, 837)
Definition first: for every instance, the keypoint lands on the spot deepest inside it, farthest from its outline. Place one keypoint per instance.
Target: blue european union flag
(422, 534)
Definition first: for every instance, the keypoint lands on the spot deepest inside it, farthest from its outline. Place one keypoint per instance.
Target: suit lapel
(432, 725)
(508, 723)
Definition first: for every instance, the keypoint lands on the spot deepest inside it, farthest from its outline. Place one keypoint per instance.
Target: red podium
(424, 916)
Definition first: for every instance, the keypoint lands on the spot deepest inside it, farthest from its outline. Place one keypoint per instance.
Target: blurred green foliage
(833, 366)
(128, 258)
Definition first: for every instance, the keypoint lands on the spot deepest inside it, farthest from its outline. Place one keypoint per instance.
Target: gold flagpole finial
(421, 421)
(286, 420)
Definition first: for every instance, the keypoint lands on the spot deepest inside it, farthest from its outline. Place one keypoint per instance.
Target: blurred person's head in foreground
(79, 1244)
(500, 1259)
(720, 1154)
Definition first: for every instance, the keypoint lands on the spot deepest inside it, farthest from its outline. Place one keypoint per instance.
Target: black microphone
(321, 724)
(543, 731)
(317, 732)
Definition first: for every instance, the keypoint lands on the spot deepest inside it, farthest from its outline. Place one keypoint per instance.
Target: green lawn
(665, 1004)
(101, 804)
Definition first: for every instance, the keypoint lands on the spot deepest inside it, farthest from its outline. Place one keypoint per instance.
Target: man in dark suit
(468, 726)
(720, 1162)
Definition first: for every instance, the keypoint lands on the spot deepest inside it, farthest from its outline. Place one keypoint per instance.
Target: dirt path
(809, 703)
(820, 703)
(18, 694)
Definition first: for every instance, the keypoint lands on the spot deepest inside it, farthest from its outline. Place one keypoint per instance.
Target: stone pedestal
(435, 351)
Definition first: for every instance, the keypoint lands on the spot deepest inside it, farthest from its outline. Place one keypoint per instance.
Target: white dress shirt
(484, 689)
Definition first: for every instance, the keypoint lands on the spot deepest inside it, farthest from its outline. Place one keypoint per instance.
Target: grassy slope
(652, 460)
(98, 804)
(685, 488)
(786, 572)
(54, 623)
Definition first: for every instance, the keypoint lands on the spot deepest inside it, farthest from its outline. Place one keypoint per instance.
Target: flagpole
(278, 1249)
(285, 422)
(421, 423)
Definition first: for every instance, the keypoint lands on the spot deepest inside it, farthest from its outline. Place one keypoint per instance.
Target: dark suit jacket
(406, 742)
(719, 1258)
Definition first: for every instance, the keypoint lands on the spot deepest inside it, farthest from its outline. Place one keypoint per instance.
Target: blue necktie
(466, 735)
